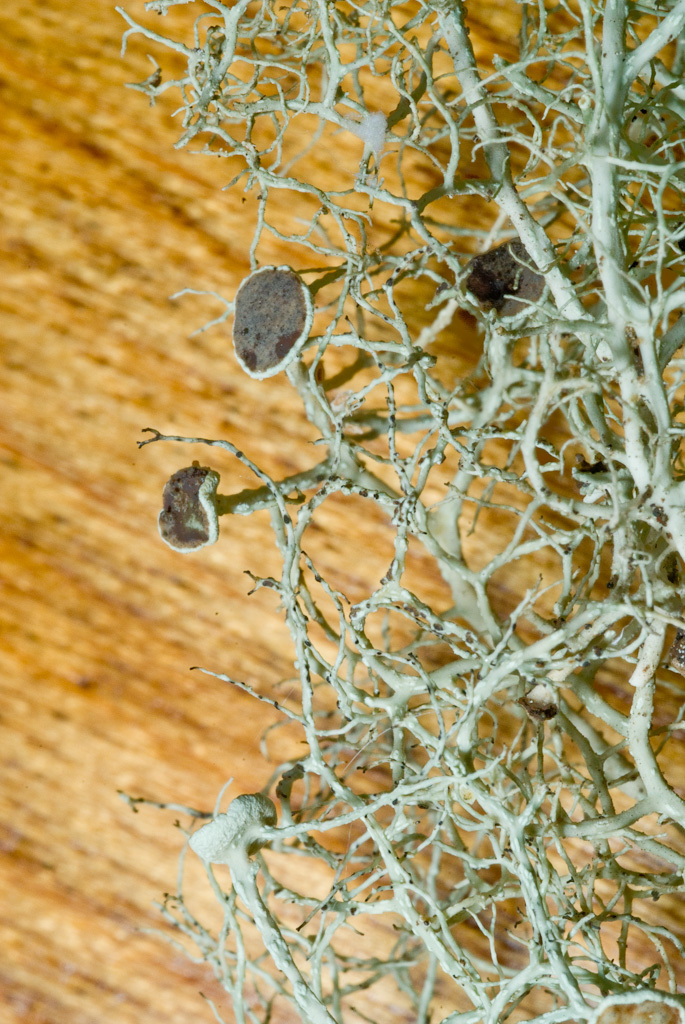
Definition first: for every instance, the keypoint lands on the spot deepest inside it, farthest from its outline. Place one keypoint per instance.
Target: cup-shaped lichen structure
(189, 520)
(272, 320)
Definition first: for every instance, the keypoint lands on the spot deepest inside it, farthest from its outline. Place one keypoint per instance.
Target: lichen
(510, 812)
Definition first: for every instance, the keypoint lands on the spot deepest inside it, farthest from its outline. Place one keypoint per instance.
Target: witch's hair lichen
(487, 772)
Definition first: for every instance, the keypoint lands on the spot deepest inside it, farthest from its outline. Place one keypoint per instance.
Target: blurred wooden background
(101, 221)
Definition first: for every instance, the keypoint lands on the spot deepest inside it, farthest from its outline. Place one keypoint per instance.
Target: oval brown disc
(273, 316)
(189, 518)
(502, 276)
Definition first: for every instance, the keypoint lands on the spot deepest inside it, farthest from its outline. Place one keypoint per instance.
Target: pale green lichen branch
(507, 810)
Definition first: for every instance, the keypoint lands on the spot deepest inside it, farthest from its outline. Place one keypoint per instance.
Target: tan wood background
(101, 221)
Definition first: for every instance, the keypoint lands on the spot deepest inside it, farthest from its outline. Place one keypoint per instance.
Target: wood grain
(101, 221)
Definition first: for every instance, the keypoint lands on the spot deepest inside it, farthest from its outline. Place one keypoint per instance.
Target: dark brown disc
(503, 276)
(273, 316)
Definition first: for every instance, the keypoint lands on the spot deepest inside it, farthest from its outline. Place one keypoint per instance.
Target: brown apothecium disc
(503, 276)
(189, 520)
(273, 315)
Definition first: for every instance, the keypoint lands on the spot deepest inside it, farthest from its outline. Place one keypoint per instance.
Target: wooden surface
(101, 221)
